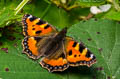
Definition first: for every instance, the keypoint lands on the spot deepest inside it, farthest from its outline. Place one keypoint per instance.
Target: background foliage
(100, 33)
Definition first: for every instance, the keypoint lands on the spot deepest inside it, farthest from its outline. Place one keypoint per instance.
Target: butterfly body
(53, 43)
(58, 51)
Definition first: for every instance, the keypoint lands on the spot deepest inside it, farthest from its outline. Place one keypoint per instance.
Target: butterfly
(56, 50)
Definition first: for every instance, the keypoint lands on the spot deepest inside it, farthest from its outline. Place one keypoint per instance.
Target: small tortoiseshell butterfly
(57, 50)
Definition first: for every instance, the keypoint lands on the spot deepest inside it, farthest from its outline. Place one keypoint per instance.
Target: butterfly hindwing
(55, 62)
(31, 46)
(77, 54)
(34, 26)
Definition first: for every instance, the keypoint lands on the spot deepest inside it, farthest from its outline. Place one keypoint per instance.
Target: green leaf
(50, 13)
(7, 16)
(89, 3)
(7, 12)
(115, 15)
(48, 1)
(101, 37)
(14, 64)
(0, 34)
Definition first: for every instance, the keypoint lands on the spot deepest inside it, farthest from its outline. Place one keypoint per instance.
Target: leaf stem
(20, 6)
(73, 6)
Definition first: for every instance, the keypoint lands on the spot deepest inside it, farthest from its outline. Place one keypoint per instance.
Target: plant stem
(73, 6)
(20, 6)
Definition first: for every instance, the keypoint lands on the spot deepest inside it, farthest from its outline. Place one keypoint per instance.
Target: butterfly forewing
(57, 61)
(33, 26)
(77, 54)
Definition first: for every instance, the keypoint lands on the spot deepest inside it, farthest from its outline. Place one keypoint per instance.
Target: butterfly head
(64, 30)
(62, 33)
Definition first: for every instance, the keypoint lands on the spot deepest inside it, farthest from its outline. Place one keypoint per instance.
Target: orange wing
(59, 64)
(57, 61)
(30, 48)
(77, 54)
(33, 26)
